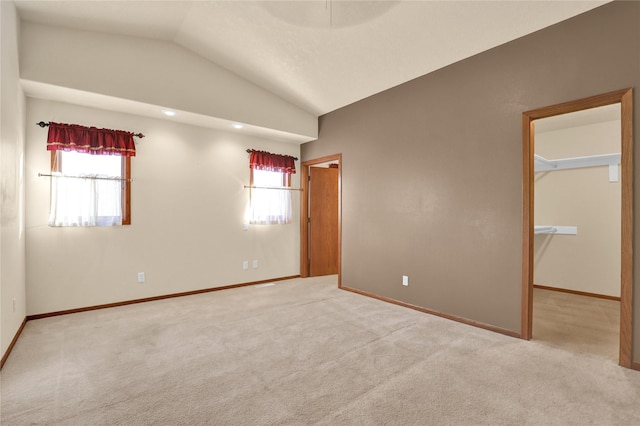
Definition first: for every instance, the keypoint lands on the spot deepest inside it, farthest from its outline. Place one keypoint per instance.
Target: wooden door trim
(625, 99)
(304, 213)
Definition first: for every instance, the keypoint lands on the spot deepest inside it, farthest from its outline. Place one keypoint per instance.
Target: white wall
(12, 237)
(153, 72)
(589, 261)
(188, 205)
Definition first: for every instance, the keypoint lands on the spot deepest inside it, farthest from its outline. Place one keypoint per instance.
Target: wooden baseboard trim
(580, 293)
(154, 298)
(13, 342)
(436, 313)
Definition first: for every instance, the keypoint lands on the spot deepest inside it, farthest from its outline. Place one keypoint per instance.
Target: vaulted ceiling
(317, 55)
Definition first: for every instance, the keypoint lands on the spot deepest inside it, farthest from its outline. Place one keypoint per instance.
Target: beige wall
(590, 260)
(12, 237)
(153, 72)
(432, 169)
(188, 205)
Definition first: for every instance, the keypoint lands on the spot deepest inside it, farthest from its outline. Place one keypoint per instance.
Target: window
(90, 175)
(270, 196)
(270, 206)
(89, 190)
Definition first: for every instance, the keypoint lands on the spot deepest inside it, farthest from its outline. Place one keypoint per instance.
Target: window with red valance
(270, 196)
(91, 174)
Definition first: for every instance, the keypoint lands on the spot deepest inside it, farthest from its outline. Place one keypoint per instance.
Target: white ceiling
(318, 55)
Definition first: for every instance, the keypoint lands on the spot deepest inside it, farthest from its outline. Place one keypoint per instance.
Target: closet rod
(84, 177)
(43, 124)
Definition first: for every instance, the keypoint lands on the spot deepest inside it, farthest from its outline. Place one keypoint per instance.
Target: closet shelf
(542, 164)
(557, 230)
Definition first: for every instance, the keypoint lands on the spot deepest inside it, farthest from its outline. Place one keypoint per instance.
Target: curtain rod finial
(42, 124)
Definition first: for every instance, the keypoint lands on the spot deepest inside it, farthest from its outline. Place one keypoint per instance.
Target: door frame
(625, 99)
(304, 213)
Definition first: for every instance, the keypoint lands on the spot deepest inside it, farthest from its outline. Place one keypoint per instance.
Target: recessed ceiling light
(237, 125)
(168, 112)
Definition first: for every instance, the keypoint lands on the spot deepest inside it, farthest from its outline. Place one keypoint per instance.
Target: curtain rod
(43, 124)
(286, 188)
(85, 177)
(249, 151)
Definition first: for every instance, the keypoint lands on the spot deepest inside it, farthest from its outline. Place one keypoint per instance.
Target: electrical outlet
(255, 264)
(141, 277)
(245, 264)
(405, 280)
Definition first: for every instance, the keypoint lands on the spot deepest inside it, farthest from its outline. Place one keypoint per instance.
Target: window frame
(286, 179)
(125, 184)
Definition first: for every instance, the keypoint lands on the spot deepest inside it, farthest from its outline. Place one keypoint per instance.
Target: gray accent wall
(432, 169)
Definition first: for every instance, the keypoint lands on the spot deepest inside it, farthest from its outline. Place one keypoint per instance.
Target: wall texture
(590, 260)
(12, 239)
(432, 169)
(188, 208)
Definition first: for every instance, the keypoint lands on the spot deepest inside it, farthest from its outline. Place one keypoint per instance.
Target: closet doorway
(576, 259)
(553, 251)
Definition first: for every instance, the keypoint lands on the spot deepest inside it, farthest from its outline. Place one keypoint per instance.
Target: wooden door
(323, 221)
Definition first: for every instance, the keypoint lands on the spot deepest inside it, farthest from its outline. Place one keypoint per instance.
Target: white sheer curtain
(85, 202)
(270, 206)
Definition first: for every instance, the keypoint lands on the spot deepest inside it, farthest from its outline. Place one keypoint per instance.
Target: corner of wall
(12, 213)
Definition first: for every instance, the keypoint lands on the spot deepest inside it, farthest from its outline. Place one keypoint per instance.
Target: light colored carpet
(296, 353)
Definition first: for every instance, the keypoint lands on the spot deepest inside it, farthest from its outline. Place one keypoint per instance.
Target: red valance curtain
(73, 137)
(261, 160)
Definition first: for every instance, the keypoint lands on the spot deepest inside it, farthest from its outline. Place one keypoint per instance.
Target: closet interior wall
(586, 199)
